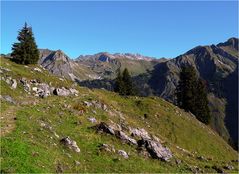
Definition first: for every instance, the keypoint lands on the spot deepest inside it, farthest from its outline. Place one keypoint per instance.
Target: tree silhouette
(25, 51)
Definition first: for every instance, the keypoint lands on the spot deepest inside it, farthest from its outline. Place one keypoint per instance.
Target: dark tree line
(25, 51)
(123, 83)
(191, 94)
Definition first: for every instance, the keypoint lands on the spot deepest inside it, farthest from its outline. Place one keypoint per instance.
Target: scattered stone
(103, 127)
(178, 161)
(123, 153)
(9, 99)
(142, 133)
(88, 104)
(92, 120)
(4, 69)
(77, 163)
(61, 91)
(202, 158)
(37, 69)
(13, 84)
(121, 135)
(155, 149)
(106, 147)
(228, 167)
(218, 169)
(235, 161)
(70, 144)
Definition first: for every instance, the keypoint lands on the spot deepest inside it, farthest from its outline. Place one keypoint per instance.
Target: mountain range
(216, 64)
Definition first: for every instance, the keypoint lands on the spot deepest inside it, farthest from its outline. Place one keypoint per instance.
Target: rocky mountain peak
(232, 42)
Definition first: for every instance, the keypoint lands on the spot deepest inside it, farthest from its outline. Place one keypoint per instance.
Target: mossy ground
(31, 148)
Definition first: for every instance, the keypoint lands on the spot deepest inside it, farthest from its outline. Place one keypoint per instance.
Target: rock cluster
(155, 149)
(153, 146)
(71, 144)
(39, 89)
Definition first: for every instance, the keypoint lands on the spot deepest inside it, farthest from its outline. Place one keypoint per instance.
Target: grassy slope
(29, 148)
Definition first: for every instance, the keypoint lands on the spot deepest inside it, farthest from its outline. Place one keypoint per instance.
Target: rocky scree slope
(99, 131)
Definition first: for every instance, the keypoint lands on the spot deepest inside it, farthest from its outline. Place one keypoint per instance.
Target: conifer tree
(191, 95)
(127, 83)
(119, 84)
(186, 89)
(202, 111)
(25, 51)
(123, 83)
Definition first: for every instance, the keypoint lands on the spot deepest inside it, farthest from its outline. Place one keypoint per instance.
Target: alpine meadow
(119, 87)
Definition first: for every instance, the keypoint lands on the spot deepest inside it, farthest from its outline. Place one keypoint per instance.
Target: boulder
(228, 167)
(92, 119)
(70, 144)
(121, 135)
(106, 147)
(13, 83)
(123, 153)
(155, 149)
(8, 98)
(73, 91)
(61, 91)
(37, 69)
(26, 85)
(142, 133)
(88, 104)
(103, 127)
(43, 90)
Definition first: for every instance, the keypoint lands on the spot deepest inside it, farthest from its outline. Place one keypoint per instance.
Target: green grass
(32, 148)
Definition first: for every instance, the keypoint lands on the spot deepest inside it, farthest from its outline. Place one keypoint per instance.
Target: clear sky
(159, 29)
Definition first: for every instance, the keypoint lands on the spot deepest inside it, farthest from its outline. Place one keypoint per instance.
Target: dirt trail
(7, 120)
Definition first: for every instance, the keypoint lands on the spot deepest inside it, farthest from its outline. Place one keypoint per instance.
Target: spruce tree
(186, 89)
(123, 83)
(25, 51)
(202, 111)
(191, 95)
(119, 84)
(127, 83)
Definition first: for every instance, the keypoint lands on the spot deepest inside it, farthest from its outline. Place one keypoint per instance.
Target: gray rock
(103, 127)
(61, 91)
(142, 133)
(123, 153)
(155, 149)
(124, 137)
(106, 147)
(9, 99)
(228, 167)
(26, 85)
(92, 120)
(70, 144)
(88, 104)
(13, 83)
(37, 69)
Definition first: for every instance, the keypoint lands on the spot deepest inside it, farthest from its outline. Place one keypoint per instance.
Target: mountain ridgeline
(216, 64)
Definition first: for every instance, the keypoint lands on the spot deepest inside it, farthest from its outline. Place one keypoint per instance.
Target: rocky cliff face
(57, 62)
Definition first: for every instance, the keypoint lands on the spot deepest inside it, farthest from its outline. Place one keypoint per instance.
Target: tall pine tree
(128, 85)
(25, 51)
(119, 84)
(186, 89)
(202, 111)
(123, 83)
(192, 95)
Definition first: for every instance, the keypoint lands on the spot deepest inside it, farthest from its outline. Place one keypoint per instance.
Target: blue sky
(159, 29)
